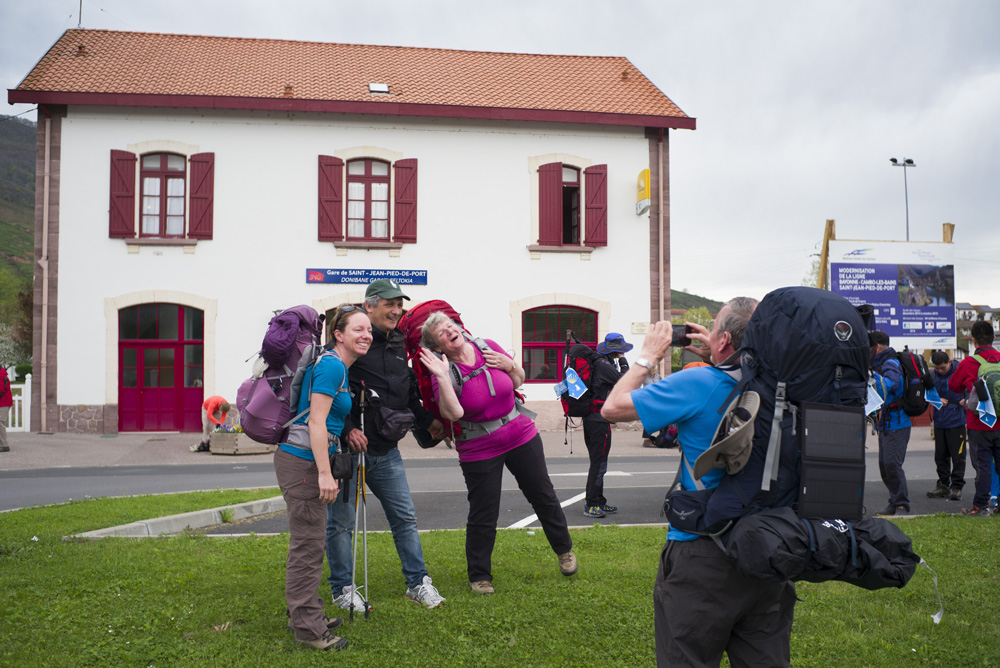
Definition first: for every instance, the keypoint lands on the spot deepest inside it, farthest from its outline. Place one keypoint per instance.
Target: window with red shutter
(167, 183)
(354, 202)
(121, 223)
(405, 223)
(596, 192)
(562, 226)
(202, 195)
(550, 204)
(331, 198)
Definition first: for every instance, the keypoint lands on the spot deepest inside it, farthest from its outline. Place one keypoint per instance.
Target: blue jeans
(386, 478)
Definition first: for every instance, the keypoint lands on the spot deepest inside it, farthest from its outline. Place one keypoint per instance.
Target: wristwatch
(642, 361)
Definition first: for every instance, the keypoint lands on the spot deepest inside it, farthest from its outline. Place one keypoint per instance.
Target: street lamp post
(904, 163)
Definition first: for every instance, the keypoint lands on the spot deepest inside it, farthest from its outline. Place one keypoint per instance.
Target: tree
(15, 318)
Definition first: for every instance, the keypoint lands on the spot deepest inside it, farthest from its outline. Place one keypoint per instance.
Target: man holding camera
(702, 606)
(381, 382)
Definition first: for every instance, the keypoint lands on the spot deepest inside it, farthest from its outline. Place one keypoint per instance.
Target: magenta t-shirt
(479, 406)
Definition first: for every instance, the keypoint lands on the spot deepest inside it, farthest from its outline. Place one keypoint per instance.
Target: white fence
(19, 417)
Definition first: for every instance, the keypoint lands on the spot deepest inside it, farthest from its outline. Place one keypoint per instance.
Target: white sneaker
(350, 593)
(425, 594)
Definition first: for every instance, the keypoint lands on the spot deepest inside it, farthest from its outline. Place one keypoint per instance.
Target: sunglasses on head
(341, 311)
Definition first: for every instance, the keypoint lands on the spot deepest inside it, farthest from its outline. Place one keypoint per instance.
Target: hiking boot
(331, 622)
(608, 510)
(593, 511)
(938, 492)
(892, 511)
(481, 587)
(348, 594)
(976, 511)
(567, 563)
(425, 594)
(325, 642)
(956, 495)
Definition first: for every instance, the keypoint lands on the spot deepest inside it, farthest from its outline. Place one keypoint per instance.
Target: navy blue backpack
(802, 346)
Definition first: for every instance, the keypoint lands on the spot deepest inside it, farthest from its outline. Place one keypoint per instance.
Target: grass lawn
(197, 601)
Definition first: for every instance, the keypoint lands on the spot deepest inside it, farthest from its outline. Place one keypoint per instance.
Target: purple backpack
(268, 398)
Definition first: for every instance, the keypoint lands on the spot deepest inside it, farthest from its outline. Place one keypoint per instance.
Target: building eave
(347, 107)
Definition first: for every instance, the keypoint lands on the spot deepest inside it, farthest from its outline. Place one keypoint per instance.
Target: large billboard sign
(910, 284)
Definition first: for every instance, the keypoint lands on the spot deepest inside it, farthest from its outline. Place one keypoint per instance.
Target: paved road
(50, 469)
(635, 484)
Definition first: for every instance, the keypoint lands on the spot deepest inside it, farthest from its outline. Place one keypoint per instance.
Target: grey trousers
(299, 482)
(703, 607)
(4, 412)
(891, 454)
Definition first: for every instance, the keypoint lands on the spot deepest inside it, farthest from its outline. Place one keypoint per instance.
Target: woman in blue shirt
(302, 466)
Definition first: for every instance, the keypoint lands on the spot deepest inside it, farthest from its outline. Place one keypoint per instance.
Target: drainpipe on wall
(659, 215)
(43, 262)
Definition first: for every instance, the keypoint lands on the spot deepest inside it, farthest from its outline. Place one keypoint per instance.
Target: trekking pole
(364, 533)
(360, 506)
(360, 484)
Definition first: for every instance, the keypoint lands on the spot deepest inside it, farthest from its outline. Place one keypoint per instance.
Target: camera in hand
(680, 337)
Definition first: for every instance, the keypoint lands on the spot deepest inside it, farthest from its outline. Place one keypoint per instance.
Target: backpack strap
(772, 460)
(483, 347)
(343, 384)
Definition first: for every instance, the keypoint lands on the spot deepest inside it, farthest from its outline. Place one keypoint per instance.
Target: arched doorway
(161, 370)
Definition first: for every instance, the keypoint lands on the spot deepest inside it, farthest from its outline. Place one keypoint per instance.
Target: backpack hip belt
(472, 430)
(298, 438)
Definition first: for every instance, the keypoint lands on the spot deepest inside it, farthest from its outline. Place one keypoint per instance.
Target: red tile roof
(149, 69)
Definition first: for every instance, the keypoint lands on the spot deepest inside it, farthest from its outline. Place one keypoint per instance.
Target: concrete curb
(173, 524)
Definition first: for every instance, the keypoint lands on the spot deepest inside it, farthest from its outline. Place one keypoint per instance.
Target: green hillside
(17, 196)
(687, 302)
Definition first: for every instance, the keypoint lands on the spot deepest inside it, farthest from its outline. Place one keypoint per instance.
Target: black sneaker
(976, 511)
(938, 492)
(956, 495)
(893, 511)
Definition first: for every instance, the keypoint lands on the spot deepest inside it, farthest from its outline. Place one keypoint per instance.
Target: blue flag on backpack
(574, 384)
(987, 414)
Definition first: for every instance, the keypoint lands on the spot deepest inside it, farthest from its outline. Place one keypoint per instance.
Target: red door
(160, 362)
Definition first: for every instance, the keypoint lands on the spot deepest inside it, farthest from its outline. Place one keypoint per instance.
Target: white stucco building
(188, 187)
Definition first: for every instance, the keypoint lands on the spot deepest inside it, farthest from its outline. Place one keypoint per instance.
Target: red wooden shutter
(202, 189)
(405, 215)
(550, 213)
(331, 198)
(596, 186)
(121, 219)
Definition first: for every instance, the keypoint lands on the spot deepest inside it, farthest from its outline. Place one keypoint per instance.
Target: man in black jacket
(605, 370)
(392, 403)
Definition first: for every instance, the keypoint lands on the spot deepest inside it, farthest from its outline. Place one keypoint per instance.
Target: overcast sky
(800, 105)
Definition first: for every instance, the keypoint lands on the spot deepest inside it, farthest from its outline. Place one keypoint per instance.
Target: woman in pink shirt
(492, 434)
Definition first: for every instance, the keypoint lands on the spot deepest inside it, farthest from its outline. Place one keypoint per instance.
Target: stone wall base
(84, 419)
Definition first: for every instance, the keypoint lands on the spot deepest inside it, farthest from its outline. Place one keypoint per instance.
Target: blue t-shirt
(691, 400)
(328, 376)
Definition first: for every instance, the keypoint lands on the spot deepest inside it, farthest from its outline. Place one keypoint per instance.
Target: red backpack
(410, 325)
(580, 358)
